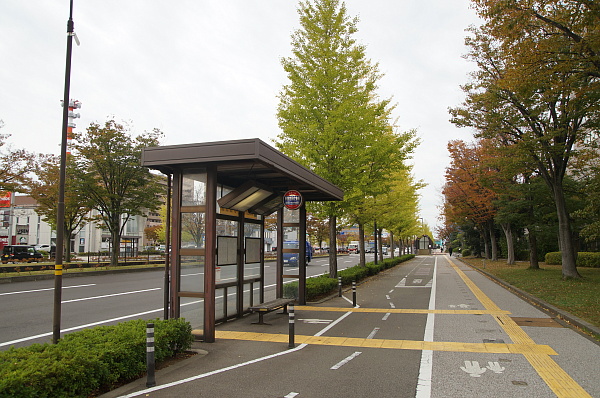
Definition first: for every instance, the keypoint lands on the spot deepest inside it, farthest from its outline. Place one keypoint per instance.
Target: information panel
(227, 250)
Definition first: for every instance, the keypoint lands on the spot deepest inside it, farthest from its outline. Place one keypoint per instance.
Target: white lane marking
(291, 395)
(391, 291)
(345, 361)
(43, 290)
(387, 296)
(110, 295)
(373, 333)
(316, 320)
(92, 324)
(386, 316)
(426, 367)
(392, 305)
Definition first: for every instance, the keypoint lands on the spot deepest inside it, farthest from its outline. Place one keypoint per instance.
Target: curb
(583, 327)
(28, 278)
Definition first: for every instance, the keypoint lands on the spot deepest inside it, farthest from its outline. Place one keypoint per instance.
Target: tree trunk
(510, 243)
(67, 245)
(482, 234)
(569, 267)
(115, 238)
(380, 244)
(533, 251)
(493, 241)
(332, 247)
(361, 244)
(392, 244)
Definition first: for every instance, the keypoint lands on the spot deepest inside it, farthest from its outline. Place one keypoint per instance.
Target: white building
(21, 225)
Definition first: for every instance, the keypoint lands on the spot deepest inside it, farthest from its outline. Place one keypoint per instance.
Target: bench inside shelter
(269, 306)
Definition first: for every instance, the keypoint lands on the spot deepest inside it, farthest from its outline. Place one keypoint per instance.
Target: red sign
(292, 200)
(5, 199)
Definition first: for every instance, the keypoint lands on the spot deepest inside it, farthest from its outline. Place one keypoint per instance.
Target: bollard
(353, 293)
(150, 381)
(292, 323)
(339, 286)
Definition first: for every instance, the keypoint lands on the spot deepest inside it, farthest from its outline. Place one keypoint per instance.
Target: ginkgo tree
(331, 118)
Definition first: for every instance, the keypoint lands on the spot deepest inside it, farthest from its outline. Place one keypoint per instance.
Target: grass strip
(580, 297)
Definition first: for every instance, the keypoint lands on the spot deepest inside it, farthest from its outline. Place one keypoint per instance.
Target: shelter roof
(238, 161)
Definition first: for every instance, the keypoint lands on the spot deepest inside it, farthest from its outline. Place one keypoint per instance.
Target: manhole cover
(537, 322)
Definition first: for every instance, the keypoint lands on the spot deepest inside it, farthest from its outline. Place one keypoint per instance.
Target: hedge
(323, 284)
(89, 360)
(584, 259)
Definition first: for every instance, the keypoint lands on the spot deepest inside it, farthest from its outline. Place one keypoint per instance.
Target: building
(21, 225)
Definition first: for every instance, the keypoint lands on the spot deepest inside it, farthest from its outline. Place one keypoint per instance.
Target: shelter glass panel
(192, 274)
(193, 190)
(253, 249)
(192, 309)
(193, 230)
(291, 216)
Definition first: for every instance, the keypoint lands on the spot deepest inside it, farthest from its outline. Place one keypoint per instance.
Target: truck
(353, 247)
(291, 259)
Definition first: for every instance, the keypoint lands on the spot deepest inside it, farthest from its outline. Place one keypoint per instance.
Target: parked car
(45, 248)
(20, 253)
(291, 259)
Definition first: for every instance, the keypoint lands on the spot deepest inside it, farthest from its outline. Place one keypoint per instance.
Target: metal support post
(339, 286)
(292, 323)
(150, 380)
(353, 293)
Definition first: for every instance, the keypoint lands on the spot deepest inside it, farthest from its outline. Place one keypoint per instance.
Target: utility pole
(60, 210)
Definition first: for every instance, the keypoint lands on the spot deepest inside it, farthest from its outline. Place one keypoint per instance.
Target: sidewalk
(480, 340)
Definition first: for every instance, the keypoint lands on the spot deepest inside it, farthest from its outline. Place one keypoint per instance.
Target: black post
(339, 286)
(60, 208)
(353, 293)
(150, 380)
(167, 282)
(292, 323)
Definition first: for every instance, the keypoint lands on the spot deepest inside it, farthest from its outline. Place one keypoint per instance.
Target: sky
(211, 70)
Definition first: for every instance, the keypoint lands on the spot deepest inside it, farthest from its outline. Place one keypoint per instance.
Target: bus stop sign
(292, 200)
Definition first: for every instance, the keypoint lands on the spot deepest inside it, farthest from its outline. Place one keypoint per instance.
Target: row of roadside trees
(333, 122)
(103, 174)
(534, 102)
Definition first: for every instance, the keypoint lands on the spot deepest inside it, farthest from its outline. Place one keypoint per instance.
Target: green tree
(332, 121)
(44, 190)
(15, 166)
(113, 179)
(540, 108)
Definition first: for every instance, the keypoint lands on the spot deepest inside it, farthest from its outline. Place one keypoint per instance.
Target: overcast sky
(210, 70)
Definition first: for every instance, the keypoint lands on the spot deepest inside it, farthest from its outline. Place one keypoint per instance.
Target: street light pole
(60, 210)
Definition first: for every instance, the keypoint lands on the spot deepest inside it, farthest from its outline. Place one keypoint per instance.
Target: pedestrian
(450, 251)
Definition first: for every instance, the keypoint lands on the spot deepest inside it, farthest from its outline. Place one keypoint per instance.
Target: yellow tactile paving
(555, 377)
(498, 348)
(402, 311)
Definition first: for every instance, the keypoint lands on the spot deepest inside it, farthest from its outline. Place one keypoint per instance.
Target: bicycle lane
(541, 360)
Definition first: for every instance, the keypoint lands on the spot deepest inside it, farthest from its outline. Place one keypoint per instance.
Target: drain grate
(519, 383)
(537, 322)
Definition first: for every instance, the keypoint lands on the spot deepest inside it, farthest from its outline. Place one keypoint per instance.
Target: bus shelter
(424, 245)
(221, 193)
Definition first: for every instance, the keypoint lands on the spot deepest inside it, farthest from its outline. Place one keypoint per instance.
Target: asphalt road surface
(27, 307)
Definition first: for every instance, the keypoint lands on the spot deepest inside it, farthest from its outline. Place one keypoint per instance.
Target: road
(27, 307)
(428, 328)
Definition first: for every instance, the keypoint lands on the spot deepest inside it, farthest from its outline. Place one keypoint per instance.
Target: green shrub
(84, 361)
(584, 259)
(322, 285)
(466, 252)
